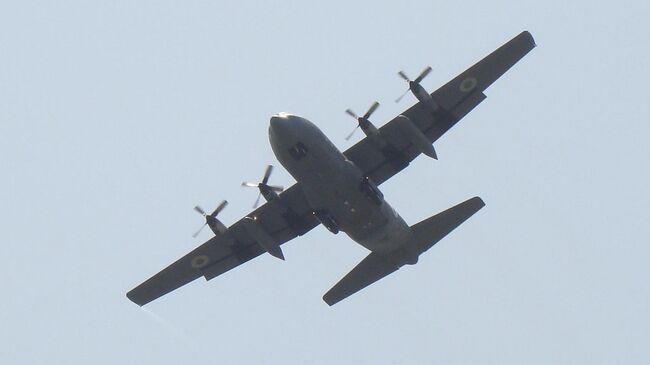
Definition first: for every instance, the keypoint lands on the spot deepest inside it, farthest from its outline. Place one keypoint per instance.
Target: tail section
(369, 270)
(424, 235)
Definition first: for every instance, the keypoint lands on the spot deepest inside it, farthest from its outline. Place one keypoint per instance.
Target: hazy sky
(116, 118)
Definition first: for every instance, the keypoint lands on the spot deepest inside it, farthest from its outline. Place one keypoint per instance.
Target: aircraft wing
(264, 229)
(456, 98)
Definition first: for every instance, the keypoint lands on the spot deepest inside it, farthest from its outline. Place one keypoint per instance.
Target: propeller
(412, 84)
(263, 186)
(363, 121)
(209, 217)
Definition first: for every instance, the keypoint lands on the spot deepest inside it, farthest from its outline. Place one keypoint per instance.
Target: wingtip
(132, 297)
(478, 201)
(328, 300)
(527, 34)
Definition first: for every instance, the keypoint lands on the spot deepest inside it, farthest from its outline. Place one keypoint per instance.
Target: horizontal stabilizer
(369, 270)
(424, 235)
(431, 230)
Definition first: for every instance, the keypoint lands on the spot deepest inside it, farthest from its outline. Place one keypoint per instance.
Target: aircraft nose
(275, 121)
(279, 123)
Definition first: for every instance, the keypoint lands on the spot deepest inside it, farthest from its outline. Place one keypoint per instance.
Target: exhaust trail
(171, 328)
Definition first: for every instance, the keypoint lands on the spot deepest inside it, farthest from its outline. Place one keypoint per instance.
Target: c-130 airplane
(340, 190)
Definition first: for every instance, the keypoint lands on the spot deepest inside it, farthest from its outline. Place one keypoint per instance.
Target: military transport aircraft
(340, 190)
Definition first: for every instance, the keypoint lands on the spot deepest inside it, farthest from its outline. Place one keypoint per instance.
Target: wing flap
(241, 256)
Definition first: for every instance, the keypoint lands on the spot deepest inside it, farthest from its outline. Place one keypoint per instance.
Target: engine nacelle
(414, 135)
(215, 225)
(423, 96)
(268, 193)
(262, 237)
(408, 130)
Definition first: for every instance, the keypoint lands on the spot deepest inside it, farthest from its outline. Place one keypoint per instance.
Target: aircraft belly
(336, 189)
(383, 234)
(333, 186)
(331, 183)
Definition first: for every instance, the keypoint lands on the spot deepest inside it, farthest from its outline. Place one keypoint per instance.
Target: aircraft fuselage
(334, 186)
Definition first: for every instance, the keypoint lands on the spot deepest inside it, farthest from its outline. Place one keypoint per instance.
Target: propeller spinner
(269, 191)
(211, 219)
(363, 121)
(414, 85)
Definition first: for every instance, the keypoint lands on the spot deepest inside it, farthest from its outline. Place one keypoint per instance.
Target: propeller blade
(200, 210)
(372, 109)
(351, 134)
(277, 189)
(424, 74)
(263, 186)
(199, 231)
(352, 114)
(400, 98)
(257, 201)
(267, 174)
(403, 75)
(219, 208)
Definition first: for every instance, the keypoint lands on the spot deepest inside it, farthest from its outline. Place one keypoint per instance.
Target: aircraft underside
(334, 187)
(340, 190)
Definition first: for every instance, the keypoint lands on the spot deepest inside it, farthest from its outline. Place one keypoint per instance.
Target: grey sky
(117, 117)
